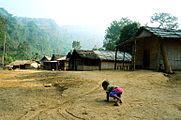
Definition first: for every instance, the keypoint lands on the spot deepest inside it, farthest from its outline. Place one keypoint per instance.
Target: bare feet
(116, 103)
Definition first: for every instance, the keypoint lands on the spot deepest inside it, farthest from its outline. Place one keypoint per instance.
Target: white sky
(92, 12)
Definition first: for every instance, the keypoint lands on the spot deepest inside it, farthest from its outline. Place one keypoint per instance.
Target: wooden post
(134, 56)
(123, 57)
(166, 62)
(115, 65)
(4, 49)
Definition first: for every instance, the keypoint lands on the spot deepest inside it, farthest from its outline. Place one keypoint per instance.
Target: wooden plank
(167, 66)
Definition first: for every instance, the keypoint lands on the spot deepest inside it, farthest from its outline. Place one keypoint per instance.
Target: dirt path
(79, 95)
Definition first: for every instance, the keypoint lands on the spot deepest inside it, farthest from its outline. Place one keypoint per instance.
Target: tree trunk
(123, 57)
(115, 65)
(134, 56)
(3, 50)
(166, 62)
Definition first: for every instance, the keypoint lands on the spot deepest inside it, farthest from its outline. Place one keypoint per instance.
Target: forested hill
(29, 38)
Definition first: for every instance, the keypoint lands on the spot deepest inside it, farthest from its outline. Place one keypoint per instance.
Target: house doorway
(146, 58)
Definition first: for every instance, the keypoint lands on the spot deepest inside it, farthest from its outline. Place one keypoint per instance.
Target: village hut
(63, 63)
(53, 63)
(46, 58)
(44, 61)
(97, 60)
(24, 64)
(156, 48)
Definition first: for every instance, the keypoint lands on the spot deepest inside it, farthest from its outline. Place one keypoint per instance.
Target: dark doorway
(146, 58)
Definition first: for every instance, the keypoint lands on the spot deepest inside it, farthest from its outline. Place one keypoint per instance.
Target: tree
(127, 32)
(76, 45)
(113, 33)
(36, 56)
(165, 20)
(23, 50)
(3, 28)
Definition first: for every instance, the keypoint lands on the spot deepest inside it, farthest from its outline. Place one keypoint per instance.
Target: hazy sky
(97, 12)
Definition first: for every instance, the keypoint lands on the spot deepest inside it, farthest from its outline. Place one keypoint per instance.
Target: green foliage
(76, 45)
(113, 33)
(119, 32)
(23, 51)
(8, 59)
(25, 38)
(3, 28)
(165, 20)
(127, 32)
(30, 38)
(36, 56)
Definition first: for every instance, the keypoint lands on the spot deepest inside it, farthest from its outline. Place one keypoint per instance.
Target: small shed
(53, 63)
(25, 64)
(43, 60)
(46, 58)
(63, 63)
(156, 48)
(96, 60)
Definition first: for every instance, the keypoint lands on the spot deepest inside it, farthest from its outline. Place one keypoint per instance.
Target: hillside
(29, 38)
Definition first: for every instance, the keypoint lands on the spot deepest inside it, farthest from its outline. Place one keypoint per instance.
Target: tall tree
(113, 33)
(76, 45)
(165, 20)
(127, 32)
(23, 52)
(3, 36)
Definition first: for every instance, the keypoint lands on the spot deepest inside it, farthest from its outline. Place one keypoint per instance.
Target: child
(113, 91)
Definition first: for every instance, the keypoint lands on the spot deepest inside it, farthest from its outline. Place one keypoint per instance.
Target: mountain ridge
(43, 36)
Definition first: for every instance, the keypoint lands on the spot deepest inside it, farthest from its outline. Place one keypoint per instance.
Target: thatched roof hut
(102, 55)
(53, 62)
(18, 62)
(92, 60)
(24, 64)
(55, 57)
(46, 58)
(156, 48)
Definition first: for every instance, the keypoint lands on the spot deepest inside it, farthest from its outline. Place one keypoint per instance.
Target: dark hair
(105, 83)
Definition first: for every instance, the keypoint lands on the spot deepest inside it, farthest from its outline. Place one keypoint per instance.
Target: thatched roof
(153, 31)
(86, 54)
(18, 62)
(22, 62)
(46, 58)
(55, 57)
(62, 58)
(102, 55)
(160, 32)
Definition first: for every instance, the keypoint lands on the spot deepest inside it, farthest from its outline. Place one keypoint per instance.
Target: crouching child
(113, 91)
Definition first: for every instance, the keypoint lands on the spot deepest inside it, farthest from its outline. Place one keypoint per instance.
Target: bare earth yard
(74, 95)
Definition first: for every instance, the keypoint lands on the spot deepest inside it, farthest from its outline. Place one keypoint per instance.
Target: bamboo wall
(174, 53)
(85, 67)
(152, 46)
(105, 65)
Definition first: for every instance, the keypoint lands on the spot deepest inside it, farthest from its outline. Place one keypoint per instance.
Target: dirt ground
(74, 95)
